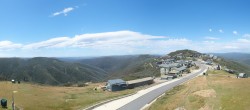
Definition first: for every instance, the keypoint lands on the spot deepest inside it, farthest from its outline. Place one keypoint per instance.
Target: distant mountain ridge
(239, 57)
(58, 71)
(126, 66)
(48, 71)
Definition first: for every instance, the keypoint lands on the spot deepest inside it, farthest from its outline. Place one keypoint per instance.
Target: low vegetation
(36, 97)
(217, 91)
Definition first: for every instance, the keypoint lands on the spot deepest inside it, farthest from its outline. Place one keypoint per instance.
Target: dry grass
(217, 91)
(36, 97)
(206, 93)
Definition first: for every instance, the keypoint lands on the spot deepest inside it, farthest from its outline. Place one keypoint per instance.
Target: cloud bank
(123, 42)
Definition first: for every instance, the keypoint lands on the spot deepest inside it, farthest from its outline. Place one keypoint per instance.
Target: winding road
(144, 97)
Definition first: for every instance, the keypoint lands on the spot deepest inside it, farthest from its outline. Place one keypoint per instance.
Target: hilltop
(184, 53)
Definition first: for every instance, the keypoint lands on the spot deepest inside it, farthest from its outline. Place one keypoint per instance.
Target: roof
(116, 81)
(173, 72)
(164, 76)
(140, 80)
(168, 60)
(169, 65)
(170, 76)
(241, 74)
(181, 68)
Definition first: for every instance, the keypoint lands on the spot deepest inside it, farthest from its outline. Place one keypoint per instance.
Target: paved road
(143, 97)
(150, 96)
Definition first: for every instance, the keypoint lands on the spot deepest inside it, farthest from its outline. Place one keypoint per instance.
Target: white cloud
(64, 11)
(211, 38)
(235, 32)
(7, 45)
(221, 31)
(54, 42)
(121, 42)
(243, 40)
(230, 47)
(95, 40)
(210, 30)
(246, 35)
(208, 42)
(111, 38)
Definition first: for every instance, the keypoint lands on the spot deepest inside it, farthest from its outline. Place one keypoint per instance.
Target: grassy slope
(238, 67)
(239, 57)
(230, 94)
(35, 97)
(236, 61)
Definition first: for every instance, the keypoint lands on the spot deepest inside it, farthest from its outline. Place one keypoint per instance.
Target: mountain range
(239, 57)
(48, 71)
(126, 67)
(59, 71)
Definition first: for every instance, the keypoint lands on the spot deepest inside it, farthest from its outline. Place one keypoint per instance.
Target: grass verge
(36, 97)
(218, 90)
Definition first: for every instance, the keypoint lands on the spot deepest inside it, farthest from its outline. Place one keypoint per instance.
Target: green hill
(238, 57)
(126, 67)
(239, 67)
(48, 71)
(184, 53)
(53, 71)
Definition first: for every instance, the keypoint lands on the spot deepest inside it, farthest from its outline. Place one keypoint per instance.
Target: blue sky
(30, 28)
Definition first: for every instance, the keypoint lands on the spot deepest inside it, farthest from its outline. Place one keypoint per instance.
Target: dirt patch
(206, 107)
(180, 108)
(206, 93)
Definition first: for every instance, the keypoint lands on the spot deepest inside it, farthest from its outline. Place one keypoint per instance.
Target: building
(164, 76)
(140, 82)
(173, 74)
(163, 71)
(116, 85)
(181, 69)
(242, 75)
(171, 65)
(230, 71)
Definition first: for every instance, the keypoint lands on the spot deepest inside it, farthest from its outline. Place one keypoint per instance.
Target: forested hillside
(239, 57)
(48, 71)
(127, 67)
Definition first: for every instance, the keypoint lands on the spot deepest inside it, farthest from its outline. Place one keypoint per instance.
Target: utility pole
(13, 104)
(13, 100)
